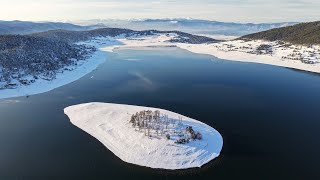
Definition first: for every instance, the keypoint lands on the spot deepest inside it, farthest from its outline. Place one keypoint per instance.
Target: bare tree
(152, 122)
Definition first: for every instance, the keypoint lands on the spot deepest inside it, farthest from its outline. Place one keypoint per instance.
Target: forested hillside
(304, 33)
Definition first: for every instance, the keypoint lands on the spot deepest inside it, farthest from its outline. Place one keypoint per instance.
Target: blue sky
(220, 10)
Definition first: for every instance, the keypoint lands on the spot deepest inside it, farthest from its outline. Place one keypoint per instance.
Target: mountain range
(192, 26)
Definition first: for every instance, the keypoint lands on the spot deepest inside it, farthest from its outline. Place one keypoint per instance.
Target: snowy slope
(81, 69)
(109, 123)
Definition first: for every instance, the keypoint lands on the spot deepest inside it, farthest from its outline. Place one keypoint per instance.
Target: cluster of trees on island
(153, 123)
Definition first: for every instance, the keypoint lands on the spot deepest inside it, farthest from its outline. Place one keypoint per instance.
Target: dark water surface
(268, 116)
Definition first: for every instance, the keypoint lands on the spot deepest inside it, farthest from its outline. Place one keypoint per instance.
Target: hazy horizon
(242, 11)
(96, 21)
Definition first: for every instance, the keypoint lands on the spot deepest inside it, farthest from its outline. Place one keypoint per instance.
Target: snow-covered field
(246, 52)
(109, 123)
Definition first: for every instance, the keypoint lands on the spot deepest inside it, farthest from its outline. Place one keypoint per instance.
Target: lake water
(268, 116)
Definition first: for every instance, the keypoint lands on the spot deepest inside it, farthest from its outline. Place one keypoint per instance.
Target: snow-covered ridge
(110, 124)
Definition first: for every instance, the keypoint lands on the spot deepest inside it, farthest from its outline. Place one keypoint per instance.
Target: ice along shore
(110, 124)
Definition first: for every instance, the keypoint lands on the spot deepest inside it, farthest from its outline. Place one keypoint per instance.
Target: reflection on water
(268, 117)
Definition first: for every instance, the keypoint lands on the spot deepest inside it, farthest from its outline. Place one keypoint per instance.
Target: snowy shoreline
(250, 58)
(229, 50)
(109, 123)
(68, 76)
(214, 50)
(41, 86)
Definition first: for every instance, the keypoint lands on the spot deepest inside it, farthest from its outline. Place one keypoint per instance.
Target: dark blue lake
(268, 116)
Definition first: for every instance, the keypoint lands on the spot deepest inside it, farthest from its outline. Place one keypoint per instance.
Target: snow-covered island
(150, 137)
